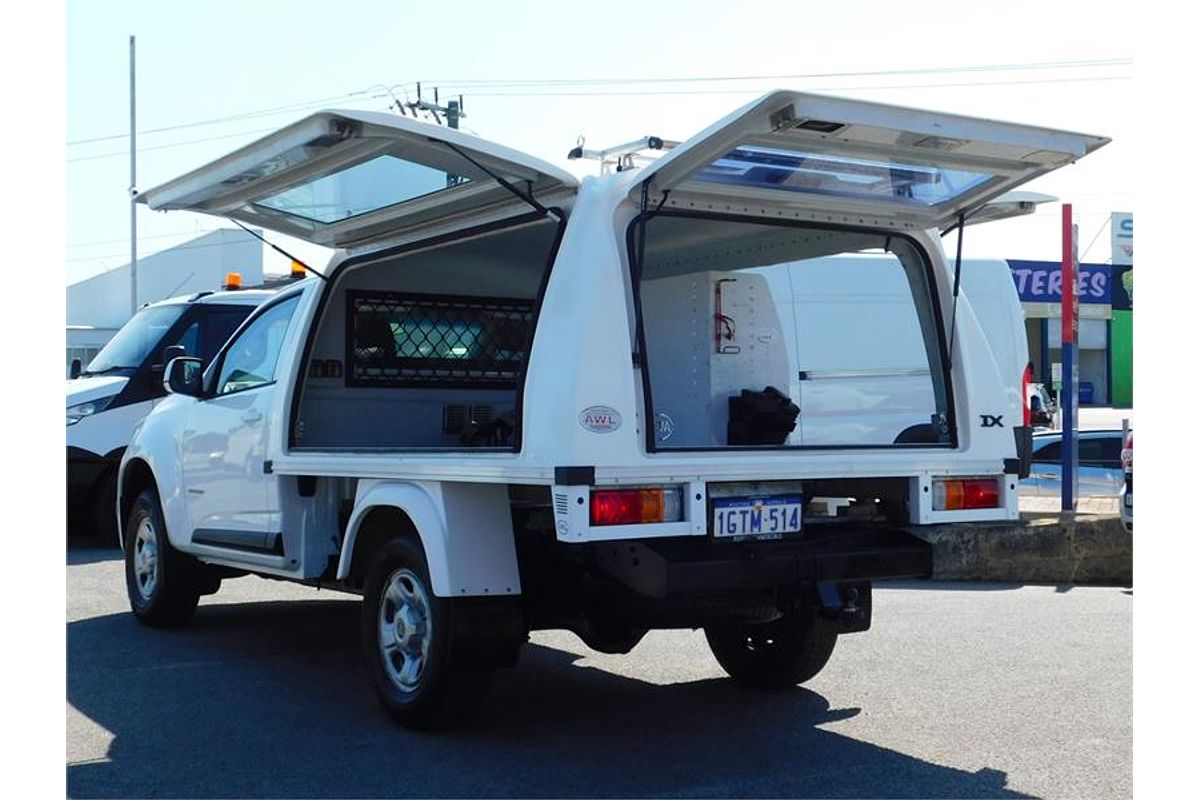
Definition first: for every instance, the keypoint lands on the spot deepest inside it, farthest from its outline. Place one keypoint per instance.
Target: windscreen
(762, 335)
(129, 348)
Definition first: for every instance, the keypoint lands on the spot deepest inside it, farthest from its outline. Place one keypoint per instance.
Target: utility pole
(133, 295)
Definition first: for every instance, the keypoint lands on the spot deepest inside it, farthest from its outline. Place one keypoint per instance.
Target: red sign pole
(1070, 314)
(1070, 383)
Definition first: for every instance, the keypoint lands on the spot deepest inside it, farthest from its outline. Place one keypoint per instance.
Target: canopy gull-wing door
(1008, 205)
(346, 179)
(800, 156)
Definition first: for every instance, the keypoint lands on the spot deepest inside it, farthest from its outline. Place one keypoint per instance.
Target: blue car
(1100, 471)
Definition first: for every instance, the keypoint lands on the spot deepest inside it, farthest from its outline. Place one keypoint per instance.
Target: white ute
(106, 401)
(517, 401)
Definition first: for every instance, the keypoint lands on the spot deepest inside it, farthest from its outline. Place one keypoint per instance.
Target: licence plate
(760, 517)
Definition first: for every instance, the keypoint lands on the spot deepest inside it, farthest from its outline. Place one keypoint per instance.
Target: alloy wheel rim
(403, 629)
(145, 559)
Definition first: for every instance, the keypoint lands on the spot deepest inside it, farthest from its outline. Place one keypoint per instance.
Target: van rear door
(352, 179)
(832, 160)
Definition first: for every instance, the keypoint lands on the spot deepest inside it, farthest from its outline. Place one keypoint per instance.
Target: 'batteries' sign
(1041, 282)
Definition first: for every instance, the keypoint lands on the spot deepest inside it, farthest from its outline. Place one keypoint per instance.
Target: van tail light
(961, 494)
(1026, 379)
(634, 506)
(1127, 453)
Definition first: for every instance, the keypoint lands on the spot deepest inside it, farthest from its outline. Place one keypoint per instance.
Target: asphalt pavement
(958, 690)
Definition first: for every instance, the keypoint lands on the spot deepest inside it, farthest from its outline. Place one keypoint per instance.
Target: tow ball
(847, 605)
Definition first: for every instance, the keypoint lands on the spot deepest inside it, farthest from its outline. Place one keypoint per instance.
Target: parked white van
(107, 400)
(652, 399)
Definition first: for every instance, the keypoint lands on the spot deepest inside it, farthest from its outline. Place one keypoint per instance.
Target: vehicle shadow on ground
(271, 700)
(91, 550)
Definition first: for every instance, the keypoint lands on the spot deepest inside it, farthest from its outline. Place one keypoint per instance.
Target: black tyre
(163, 584)
(407, 633)
(774, 655)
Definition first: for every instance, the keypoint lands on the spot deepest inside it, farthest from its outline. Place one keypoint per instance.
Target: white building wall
(102, 301)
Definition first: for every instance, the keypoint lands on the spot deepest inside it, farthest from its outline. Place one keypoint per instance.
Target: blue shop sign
(1041, 282)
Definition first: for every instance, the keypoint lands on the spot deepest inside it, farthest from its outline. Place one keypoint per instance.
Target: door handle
(252, 416)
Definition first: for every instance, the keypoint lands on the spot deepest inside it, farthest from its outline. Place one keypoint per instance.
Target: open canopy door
(349, 178)
(1009, 205)
(792, 155)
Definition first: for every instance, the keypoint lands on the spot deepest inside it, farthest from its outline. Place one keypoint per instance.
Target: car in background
(1041, 406)
(1127, 486)
(108, 398)
(1100, 471)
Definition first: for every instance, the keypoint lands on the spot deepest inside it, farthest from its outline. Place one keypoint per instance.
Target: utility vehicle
(518, 401)
(107, 400)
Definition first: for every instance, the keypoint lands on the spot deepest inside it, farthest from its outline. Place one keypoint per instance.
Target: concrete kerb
(1040, 548)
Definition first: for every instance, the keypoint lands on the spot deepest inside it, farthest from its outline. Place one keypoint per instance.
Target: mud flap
(1024, 440)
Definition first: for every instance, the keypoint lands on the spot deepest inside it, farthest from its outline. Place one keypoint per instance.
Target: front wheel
(163, 584)
(407, 632)
(774, 655)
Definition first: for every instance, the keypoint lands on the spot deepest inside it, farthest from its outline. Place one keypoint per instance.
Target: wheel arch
(133, 478)
(465, 531)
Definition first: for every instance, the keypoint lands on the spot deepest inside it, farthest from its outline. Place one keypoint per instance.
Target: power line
(155, 236)
(496, 83)
(644, 94)
(175, 144)
(1094, 238)
(812, 89)
(299, 106)
(177, 248)
(502, 83)
(167, 146)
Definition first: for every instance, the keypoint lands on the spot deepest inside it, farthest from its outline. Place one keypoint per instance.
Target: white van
(517, 401)
(108, 398)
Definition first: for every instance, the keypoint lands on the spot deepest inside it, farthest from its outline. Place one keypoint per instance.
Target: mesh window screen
(427, 340)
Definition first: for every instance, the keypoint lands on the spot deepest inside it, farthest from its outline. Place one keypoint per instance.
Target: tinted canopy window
(893, 180)
(381, 182)
(771, 335)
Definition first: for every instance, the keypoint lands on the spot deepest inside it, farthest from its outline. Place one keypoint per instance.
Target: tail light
(961, 494)
(1127, 452)
(1026, 380)
(633, 506)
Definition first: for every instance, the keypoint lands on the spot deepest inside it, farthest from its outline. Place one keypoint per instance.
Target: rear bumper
(667, 568)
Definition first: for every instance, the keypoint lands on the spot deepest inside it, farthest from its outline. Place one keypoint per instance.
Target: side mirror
(168, 353)
(184, 375)
(76, 368)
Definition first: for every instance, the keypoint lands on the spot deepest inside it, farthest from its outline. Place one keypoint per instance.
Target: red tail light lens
(1026, 380)
(964, 494)
(631, 506)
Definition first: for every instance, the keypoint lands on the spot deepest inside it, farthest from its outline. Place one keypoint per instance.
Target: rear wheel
(774, 655)
(407, 632)
(163, 584)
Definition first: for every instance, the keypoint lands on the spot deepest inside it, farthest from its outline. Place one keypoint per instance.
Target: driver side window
(250, 360)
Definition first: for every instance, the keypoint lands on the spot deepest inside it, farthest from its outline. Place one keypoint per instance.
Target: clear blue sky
(271, 62)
